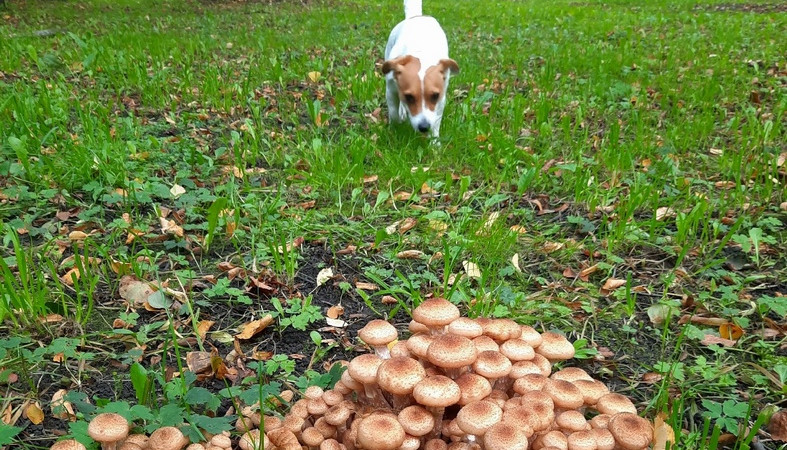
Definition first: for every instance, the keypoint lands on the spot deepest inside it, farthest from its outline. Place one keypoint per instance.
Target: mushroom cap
(554, 439)
(363, 368)
(399, 349)
(465, 326)
(435, 444)
(476, 417)
(614, 403)
(523, 416)
(564, 394)
(592, 390)
(69, 444)
(582, 440)
(502, 329)
(410, 443)
(600, 421)
(571, 421)
(313, 392)
(531, 336)
(332, 397)
(517, 350)
(167, 438)
(522, 368)
(484, 343)
(555, 347)
(473, 387)
(418, 344)
(505, 436)
(542, 404)
(253, 440)
(316, 406)
(416, 420)
(378, 333)
(327, 430)
(221, 440)
(437, 391)
(571, 374)
(312, 437)
(631, 431)
(529, 382)
(399, 375)
(436, 312)
(338, 414)
(331, 444)
(283, 438)
(108, 428)
(492, 364)
(380, 432)
(451, 351)
(543, 364)
(604, 438)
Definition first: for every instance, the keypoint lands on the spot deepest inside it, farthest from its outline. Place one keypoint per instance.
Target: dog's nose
(423, 127)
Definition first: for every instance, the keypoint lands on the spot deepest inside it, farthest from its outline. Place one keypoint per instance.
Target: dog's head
(421, 89)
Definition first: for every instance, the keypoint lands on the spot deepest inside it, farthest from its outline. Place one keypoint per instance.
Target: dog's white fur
(417, 40)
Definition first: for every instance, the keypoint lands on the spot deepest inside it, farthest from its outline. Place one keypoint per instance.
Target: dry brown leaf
(76, 236)
(710, 339)
(519, 229)
(613, 283)
(52, 318)
(203, 326)
(662, 433)
(585, 273)
(651, 377)
(725, 185)
(401, 196)
(426, 189)
(716, 151)
(198, 362)
(61, 408)
(370, 179)
(170, 227)
(388, 300)
(410, 254)
(134, 291)
(251, 328)
(350, 249)
(710, 321)
(335, 311)
(291, 245)
(68, 277)
(778, 425)
(568, 272)
(8, 415)
(489, 223)
(34, 414)
(364, 286)
(551, 247)
(730, 331)
(407, 225)
(664, 212)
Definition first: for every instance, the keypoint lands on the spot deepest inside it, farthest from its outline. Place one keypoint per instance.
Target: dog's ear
(391, 64)
(449, 64)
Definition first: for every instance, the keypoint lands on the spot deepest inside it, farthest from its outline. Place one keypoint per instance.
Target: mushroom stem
(437, 413)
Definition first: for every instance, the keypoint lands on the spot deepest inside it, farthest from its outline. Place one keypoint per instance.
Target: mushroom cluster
(457, 383)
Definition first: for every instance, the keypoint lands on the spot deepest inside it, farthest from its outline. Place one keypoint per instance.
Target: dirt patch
(757, 8)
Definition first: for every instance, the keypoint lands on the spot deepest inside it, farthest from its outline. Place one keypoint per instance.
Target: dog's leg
(392, 98)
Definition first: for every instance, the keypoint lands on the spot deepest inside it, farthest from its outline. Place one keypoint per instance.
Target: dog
(417, 69)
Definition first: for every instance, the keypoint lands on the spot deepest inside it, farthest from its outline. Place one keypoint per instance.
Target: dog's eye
(435, 97)
(409, 98)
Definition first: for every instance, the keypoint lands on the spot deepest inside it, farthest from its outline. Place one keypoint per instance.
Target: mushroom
(492, 365)
(473, 387)
(555, 347)
(435, 444)
(529, 382)
(571, 374)
(631, 431)
(525, 418)
(167, 438)
(484, 343)
(436, 314)
(398, 376)
(476, 417)
(221, 440)
(614, 403)
(571, 420)
(554, 439)
(465, 326)
(378, 334)
(253, 440)
(435, 393)
(564, 394)
(363, 369)
(380, 431)
(582, 440)
(312, 437)
(592, 390)
(416, 420)
(505, 436)
(502, 330)
(68, 444)
(452, 353)
(604, 438)
(108, 429)
(531, 336)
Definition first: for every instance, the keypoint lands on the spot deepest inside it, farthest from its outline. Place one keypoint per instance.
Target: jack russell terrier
(417, 69)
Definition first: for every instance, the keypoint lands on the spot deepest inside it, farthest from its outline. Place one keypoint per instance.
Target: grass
(583, 142)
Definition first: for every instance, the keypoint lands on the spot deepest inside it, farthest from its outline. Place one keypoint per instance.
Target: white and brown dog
(417, 69)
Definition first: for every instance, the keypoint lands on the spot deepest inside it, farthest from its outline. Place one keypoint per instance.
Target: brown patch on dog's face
(434, 81)
(405, 69)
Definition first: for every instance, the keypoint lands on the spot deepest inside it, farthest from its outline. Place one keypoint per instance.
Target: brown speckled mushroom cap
(69, 444)
(492, 365)
(108, 429)
(451, 351)
(167, 438)
(555, 347)
(416, 420)
(399, 375)
(614, 403)
(437, 391)
(476, 417)
(473, 386)
(564, 394)
(380, 431)
(465, 326)
(631, 431)
(505, 436)
(436, 313)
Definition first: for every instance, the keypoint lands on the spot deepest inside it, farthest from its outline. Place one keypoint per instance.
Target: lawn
(201, 202)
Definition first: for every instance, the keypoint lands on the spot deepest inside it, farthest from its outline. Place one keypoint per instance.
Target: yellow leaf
(77, 236)
(203, 327)
(314, 76)
(471, 269)
(177, 190)
(730, 331)
(662, 433)
(335, 311)
(251, 328)
(410, 254)
(69, 277)
(170, 227)
(613, 283)
(34, 414)
(61, 408)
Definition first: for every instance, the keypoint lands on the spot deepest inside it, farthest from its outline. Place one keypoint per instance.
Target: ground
(173, 171)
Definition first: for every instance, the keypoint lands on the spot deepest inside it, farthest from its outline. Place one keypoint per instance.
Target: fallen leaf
(401, 196)
(551, 247)
(34, 414)
(651, 377)
(515, 262)
(61, 408)
(585, 273)
(52, 318)
(251, 328)
(134, 291)
(334, 311)
(350, 249)
(69, 277)
(291, 245)
(391, 229)
(407, 225)
(725, 185)
(716, 151)
(490, 221)
(659, 313)
(324, 275)
(471, 269)
(203, 326)
(662, 433)
(519, 229)
(370, 179)
(388, 300)
(76, 236)
(198, 362)
(338, 323)
(170, 227)
(710, 321)
(222, 336)
(730, 331)
(613, 283)
(664, 212)
(710, 339)
(568, 272)
(778, 425)
(364, 286)
(437, 225)
(426, 189)
(410, 254)
(177, 190)
(314, 76)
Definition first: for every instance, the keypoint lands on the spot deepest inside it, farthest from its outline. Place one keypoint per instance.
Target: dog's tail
(412, 8)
